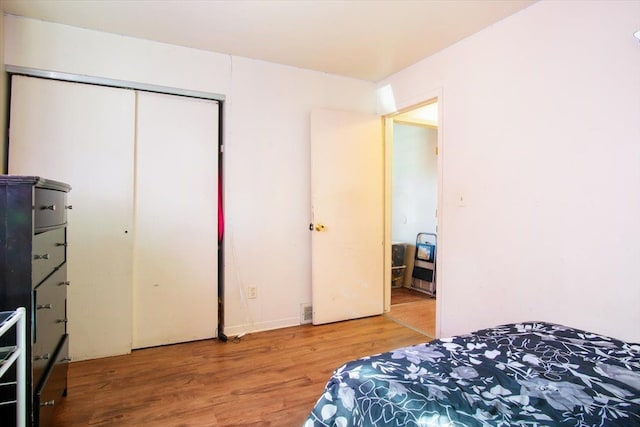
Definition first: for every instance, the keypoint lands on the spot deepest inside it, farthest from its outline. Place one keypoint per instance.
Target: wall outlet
(252, 292)
(306, 314)
(460, 200)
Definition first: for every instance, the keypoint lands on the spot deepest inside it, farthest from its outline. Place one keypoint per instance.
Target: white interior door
(347, 187)
(83, 135)
(176, 241)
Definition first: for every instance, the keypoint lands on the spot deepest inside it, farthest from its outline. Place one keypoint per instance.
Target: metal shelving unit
(15, 354)
(423, 277)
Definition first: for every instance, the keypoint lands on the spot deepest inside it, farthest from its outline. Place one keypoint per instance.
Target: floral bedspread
(524, 374)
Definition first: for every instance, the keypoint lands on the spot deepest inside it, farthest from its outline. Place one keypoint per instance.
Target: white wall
(268, 182)
(55, 47)
(266, 149)
(541, 135)
(415, 182)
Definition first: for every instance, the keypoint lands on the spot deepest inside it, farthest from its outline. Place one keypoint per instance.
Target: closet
(142, 248)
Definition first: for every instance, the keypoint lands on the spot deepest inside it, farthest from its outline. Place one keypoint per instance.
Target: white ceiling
(364, 39)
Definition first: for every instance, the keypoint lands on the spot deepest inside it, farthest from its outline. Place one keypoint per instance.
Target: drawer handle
(69, 207)
(48, 208)
(43, 306)
(44, 256)
(43, 357)
(61, 321)
(62, 244)
(48, 403)
(65, 283)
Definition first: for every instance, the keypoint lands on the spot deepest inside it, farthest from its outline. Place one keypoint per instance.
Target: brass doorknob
(319, 227)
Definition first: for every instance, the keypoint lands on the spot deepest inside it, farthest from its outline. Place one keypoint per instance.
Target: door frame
(388, 119)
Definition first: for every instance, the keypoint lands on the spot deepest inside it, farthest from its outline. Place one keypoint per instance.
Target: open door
(347, 202)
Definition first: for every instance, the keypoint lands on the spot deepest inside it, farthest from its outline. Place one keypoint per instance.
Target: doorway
(414, 174)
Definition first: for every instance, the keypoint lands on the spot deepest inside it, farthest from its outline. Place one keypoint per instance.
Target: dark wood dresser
(33, 255)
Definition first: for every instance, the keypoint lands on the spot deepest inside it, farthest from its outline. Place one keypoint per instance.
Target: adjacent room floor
(413, 309)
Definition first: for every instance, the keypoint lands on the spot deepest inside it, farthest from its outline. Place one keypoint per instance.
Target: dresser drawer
(49, 303)
(50, 208)
(53, 386)
(49, 251)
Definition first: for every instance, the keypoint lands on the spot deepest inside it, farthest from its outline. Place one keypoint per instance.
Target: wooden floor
(413, 309)
(407, 295)
(265, 379)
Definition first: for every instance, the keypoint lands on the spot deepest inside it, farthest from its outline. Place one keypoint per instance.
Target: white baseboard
(234, 330)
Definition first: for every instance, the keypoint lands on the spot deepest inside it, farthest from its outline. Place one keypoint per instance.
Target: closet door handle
(43, 357)
(65, 283)
(48, 208)
(44, 256)
(43, 306)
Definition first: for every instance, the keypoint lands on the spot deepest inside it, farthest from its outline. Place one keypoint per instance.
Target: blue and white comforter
(525, 374)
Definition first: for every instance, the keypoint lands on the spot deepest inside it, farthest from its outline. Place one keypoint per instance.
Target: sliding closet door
(175, 254)
(84, 135)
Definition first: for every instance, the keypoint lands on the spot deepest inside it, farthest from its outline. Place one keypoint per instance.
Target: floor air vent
(306, 313)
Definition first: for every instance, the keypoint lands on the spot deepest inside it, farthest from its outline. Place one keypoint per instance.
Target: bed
(522, 374)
